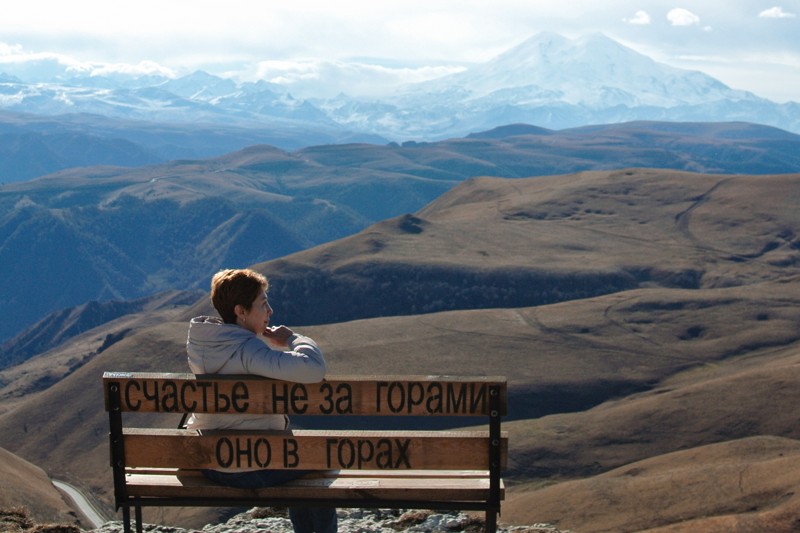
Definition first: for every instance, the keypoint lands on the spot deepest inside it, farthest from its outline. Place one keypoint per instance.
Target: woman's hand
(278, 335)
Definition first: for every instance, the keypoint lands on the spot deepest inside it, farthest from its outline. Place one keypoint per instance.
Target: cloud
(305, 77)
(143, 68)
(776, 12)
(682, 17)
(46, 66)
(640, 17)
(10, 49)
(15, 57)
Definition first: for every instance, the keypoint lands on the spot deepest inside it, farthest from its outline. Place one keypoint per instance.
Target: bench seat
(457, 485)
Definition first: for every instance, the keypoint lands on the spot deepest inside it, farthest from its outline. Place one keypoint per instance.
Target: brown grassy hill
(515, 243)
(748, 484)
(61, 325)
(190, 216)
(25, 485)
(748, 395)
(23, 381)
(699, 349)
(558, 357)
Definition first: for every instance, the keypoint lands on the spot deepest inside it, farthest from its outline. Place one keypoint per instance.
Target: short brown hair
(232, 287)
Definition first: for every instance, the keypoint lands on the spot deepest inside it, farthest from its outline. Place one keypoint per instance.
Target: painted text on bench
(338, 398)
(340, 453)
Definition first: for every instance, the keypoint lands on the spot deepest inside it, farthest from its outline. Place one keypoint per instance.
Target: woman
(231, 345)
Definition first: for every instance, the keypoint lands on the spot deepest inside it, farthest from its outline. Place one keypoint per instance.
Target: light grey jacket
(218, 348)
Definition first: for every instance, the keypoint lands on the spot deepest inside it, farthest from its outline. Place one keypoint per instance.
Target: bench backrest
(340, 395)
(390, 396)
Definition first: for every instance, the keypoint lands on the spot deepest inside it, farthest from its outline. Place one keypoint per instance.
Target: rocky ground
(350, 521)
(17, 520)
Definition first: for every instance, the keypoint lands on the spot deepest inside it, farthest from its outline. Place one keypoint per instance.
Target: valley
(111, 233)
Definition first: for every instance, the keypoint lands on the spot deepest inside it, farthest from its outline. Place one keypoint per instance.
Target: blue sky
(747, 44)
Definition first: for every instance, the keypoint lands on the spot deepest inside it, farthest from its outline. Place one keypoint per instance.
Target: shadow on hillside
(524, 403)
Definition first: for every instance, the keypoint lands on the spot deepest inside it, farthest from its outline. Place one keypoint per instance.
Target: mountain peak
(548, 79)
(593, 71)
(200, 85)
(551, 45)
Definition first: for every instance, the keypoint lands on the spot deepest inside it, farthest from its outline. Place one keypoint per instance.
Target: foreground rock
(350, 521)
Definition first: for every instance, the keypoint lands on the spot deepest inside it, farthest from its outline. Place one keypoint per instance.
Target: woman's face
(256, 319)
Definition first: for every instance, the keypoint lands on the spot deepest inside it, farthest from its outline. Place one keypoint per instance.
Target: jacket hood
(211, 343)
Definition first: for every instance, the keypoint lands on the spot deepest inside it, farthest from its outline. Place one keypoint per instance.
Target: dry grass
(18, 520)
(26, 493)
(741, 485)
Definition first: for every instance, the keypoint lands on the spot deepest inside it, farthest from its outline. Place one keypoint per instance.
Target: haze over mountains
(35, 145)
(548, 80)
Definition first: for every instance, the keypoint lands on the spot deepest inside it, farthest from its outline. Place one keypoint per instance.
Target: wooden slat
(326, 487)
(309, 449)
(337, 395)
(421, 474)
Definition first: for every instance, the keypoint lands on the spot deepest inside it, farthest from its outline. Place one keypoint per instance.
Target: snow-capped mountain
(592, 71)
(548, 80)
(201, 86)
(556, 82)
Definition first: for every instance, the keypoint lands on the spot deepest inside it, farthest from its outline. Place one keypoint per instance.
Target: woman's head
(233, 292)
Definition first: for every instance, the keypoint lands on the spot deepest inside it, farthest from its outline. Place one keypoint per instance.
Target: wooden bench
(440, 470)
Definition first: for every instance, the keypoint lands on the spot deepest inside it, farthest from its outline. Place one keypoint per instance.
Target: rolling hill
(65, 324)
(109, 233)
(683, 369)
(670, 493)
(35, 145)
(26, 485)
(495, 243)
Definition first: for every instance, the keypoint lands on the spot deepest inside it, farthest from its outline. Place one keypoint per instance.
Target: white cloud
(143, 68)
(38, 66)
(15, 55)
(305, 77)
(234, 39)
(776, 12)
(682, 17)
(10, 49)
(640, 17)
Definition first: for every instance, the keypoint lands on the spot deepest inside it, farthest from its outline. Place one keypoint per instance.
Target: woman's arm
(302, 362)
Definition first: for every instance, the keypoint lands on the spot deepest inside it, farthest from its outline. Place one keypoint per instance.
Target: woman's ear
(240, 311)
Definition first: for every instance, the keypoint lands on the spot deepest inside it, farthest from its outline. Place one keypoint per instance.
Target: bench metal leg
(138, 519)
(491, 521)
(126, 519)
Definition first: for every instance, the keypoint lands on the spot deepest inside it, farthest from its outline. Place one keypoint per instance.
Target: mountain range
(548, 80)
(618, 237)
(111, 233)
(652, 375)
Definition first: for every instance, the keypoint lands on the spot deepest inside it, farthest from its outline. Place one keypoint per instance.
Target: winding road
(86, 507)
